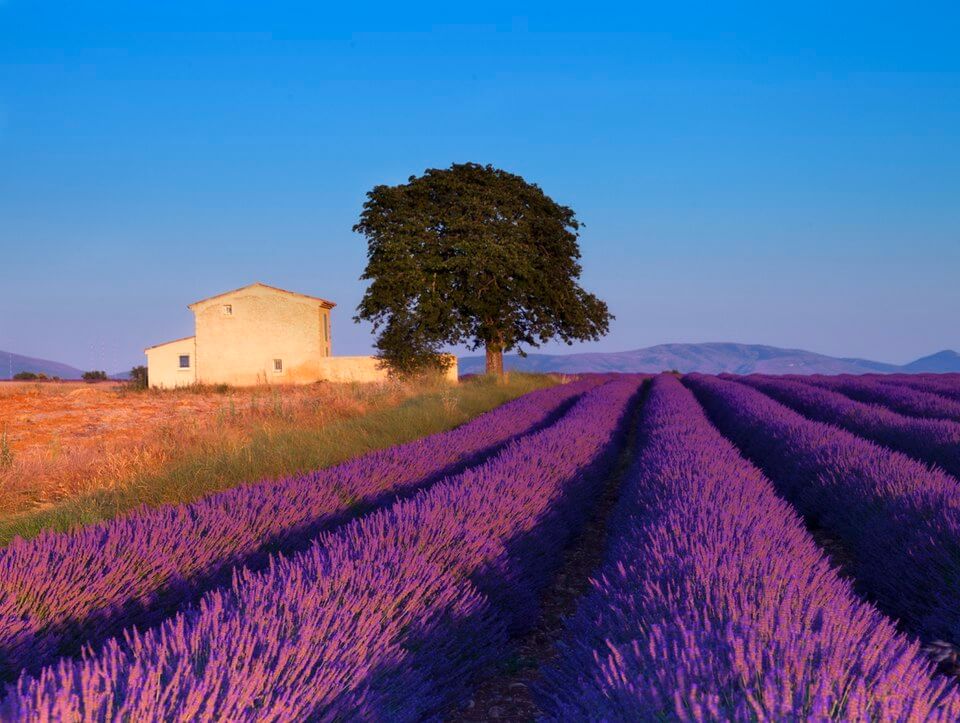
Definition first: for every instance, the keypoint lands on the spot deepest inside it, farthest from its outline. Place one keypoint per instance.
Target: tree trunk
(495, 357)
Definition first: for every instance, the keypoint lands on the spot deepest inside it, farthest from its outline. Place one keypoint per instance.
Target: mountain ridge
(714, 358)
(935, 362)
(12, 363)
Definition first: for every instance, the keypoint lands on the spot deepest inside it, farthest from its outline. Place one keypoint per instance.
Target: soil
(505, 694)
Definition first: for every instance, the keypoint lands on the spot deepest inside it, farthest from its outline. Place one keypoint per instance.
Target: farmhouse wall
(260, 335)
(163, 364)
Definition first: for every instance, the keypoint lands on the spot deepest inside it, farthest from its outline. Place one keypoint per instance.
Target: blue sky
(753, 174)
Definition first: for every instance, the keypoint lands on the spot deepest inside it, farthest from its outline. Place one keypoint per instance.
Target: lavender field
(620, 547)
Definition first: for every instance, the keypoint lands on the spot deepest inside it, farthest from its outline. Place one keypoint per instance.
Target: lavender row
(898, 397)
(897, 521)
(387, 618)
(713, 602)
(946, 385)
(61, 590)
(929, 440)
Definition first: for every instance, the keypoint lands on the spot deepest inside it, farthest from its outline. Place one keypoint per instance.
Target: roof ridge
(328, 304)
(172, 341)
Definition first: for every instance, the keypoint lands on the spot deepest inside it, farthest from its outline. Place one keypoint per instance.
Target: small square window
(184, 361)
(277, 366)
(228, 309)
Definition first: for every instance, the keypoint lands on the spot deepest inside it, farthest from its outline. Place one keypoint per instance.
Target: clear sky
(754, 174)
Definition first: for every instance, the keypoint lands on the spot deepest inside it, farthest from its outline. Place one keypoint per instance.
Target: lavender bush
(898, 397)
(929, 440)
(897, 520)
(945, 385)
(714, 603)
(387, 618)
(60, 590)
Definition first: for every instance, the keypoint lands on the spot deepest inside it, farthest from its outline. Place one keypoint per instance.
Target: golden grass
(67, 439)
(79, 453)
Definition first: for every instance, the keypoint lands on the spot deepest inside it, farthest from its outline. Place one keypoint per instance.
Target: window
(326, 328)
(228, 309)
(277, 366)
(184, 361)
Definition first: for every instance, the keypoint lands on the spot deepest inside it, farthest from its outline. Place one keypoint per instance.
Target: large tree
(472, 255)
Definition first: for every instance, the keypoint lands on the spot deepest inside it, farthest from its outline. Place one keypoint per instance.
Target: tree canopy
(472, 255)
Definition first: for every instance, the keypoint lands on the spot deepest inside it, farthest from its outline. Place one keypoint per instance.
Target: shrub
(95, 376)
(25, 376)
(138, 377)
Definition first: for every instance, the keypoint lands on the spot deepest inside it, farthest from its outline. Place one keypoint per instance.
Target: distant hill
(11, 363)
(940, 363)
(20, 363)
(713, 358)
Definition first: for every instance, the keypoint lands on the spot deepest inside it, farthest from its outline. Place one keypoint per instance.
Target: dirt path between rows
(505, 695)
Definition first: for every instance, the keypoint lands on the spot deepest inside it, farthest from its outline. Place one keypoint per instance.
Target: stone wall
(363, 369)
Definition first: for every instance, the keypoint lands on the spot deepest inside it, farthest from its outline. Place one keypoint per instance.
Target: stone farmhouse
(259, 334)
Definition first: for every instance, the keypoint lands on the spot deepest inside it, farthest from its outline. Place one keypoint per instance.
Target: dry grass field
(70, 438)
(72, 452)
